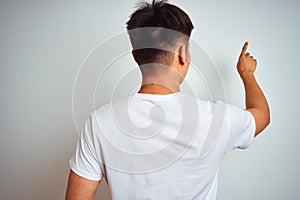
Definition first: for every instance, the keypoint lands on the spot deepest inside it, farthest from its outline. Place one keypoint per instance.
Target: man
(182, 171)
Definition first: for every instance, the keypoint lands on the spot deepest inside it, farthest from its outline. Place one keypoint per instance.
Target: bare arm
(256, 102)
(80, 188)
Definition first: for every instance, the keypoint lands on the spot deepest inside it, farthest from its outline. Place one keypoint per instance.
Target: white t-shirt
(150, 146)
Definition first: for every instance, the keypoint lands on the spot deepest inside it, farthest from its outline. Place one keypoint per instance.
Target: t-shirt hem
(84, 174)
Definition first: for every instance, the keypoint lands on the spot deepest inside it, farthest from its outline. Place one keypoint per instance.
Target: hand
(246, 64)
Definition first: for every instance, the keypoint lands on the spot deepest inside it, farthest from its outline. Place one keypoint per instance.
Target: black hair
(161, 14)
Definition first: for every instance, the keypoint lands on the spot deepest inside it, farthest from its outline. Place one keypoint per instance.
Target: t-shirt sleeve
(242, 128)
(85, 162)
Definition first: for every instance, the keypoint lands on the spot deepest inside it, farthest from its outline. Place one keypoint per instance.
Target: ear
(182, 55)
(134, 56)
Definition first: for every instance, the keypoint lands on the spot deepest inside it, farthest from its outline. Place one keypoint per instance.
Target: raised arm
(256, 102)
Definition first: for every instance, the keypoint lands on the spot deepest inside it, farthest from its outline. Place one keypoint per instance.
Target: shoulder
(108, 107)
(221, 110)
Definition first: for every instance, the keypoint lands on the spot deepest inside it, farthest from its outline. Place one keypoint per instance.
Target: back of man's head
(171, 25)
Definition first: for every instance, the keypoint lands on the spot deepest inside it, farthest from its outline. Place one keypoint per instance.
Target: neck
(160, 79)
(158, 87)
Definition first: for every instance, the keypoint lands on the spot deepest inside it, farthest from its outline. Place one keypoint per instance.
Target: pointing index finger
(244, 48)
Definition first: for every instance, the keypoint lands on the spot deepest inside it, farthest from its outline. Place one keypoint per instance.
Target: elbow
(268, 117)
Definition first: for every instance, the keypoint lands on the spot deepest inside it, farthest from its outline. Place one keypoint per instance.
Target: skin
(175, 71)
(80, 188)
(256, 102)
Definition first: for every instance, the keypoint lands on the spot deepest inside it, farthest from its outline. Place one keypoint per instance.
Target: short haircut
(161, 14)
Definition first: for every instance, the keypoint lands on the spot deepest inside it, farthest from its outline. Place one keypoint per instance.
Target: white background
(43, 43)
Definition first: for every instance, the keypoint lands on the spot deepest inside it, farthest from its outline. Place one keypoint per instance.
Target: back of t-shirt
(152, 146)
